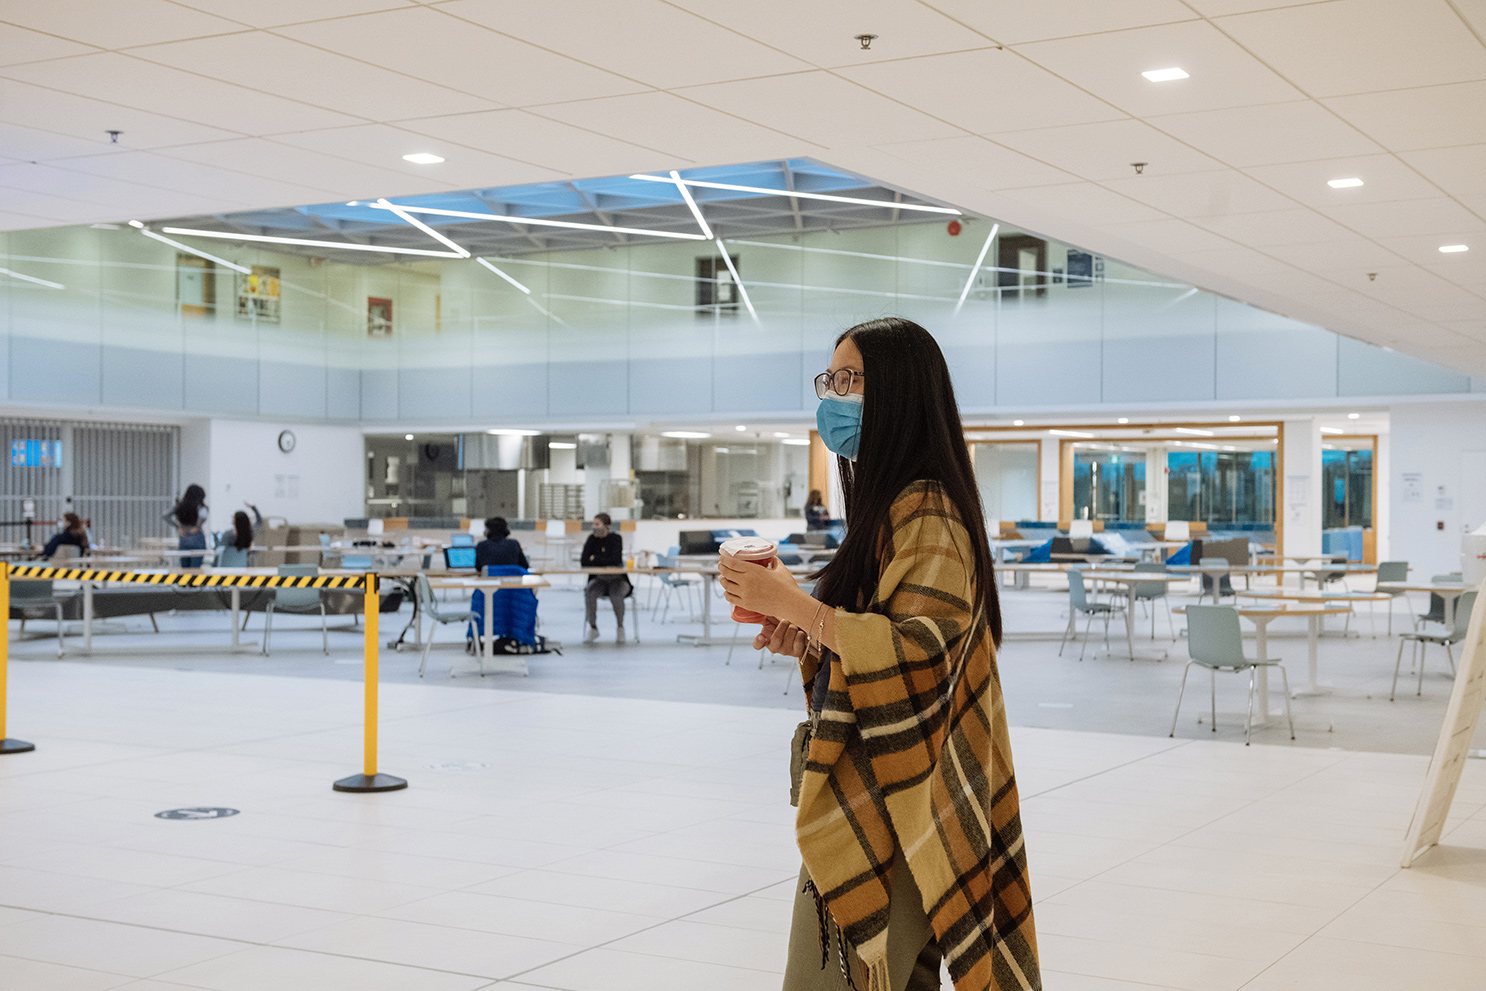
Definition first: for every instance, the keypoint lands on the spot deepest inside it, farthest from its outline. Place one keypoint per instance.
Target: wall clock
(286, 441)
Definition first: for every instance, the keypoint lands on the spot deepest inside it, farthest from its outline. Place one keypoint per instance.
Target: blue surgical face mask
(839, 419)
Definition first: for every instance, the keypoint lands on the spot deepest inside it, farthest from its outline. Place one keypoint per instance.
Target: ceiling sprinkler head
(113, 136)
(1139, 167)
(1372, 276)
(866, 40)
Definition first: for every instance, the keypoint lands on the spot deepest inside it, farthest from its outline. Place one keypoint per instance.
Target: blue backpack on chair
(513, 611)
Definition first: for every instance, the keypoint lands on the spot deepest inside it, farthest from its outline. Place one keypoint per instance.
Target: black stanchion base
(16, 747)
(370, 782)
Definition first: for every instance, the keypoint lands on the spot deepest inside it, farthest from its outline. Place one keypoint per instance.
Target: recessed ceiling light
(1234, 418)
(135, 223)
(503, 432)
(1123, 419)
(780, 433)
(1017, 423)
(740, 428)
(1069, 433)
(1164, 75)
(685, 434)
(422, 158)
(562, 445)
(1354, 416)
(1332, 430)
(407, 436)
(1194, 430)
(796, 442)
(1451, 249)
(1344, 183)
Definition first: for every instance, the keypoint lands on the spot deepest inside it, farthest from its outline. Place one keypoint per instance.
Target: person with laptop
(604, 549)
(499, 547)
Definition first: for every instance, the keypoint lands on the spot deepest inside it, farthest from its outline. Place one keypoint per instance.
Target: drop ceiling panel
(1458, 171)
(647, 40)
(1092, 204)
(559, 149)
(1384, 177)
(89, 119)
(133, 82)
(1401, 218)
(272, 13)
(820, 107)
(1222, 74)
(983, 91)
(1272, 227)
(823, 32)
(1201, 194)
(278, 65)
(115, 25)
(1431, 117)
(19, 45)
(120, 199)
(1354, 256)
(383, 146)
(163, 172)
(988, 165)
(1170, 234)
(32, 145)
(1424, 250)
(427, 44)
(53, 209)
(259, 156)
(1218, 8)
(1362, 46)
(1012, 22)
(1268, 134)
(1106, 150)
(679, 127)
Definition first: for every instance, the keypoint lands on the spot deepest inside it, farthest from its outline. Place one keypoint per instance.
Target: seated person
(817, 514)
(73, 532)
(604, 549)
(233, 545)
(498, 547)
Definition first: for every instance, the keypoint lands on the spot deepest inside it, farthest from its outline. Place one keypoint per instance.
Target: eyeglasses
(839, 382)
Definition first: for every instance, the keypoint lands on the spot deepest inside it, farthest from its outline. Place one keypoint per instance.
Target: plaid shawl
(911, 751)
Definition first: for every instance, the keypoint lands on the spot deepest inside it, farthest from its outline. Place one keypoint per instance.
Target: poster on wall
(378, 317)
(258, 294)
(195, 285)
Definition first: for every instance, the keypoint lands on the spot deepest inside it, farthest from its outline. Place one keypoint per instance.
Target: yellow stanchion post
(7, 745)
(369, 779)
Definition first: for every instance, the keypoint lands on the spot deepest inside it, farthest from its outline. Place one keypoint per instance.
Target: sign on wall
(258, 294)
(378, 317)
(35, 454)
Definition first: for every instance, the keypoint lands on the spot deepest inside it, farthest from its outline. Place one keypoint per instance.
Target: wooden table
(516, 663)
(1449, 591)
(1315, 598)
(1130, 579)
(1262, 615)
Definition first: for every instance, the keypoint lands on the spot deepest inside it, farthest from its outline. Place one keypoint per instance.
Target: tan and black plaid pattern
(912, 750)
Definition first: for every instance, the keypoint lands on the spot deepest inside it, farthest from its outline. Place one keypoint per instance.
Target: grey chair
(1150, 592)
(35, 599)
(1463, 607)
(1213, 579)
(674, 584)
(1392, 571)
(1215, 641)
(1436, 612)
(300, 601)
(1078, 602)
(428, 607)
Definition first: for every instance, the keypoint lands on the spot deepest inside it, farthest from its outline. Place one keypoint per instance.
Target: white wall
(1432, 441)
(320, 481)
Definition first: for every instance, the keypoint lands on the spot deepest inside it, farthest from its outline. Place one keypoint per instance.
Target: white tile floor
(607, 844)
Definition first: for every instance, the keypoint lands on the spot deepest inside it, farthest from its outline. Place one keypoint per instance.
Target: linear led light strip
(796, 194)
(695, 210)
(526, 292)
(339, 245)
(383, 204)
(187, 248)
(742, 291)
(975, 269)
(32, 278)
(539, 221)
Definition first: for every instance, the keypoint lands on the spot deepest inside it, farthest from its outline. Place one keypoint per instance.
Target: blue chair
(1215, 641)
(357, 562)
(513, 611)
(301, 601)
(672, 583)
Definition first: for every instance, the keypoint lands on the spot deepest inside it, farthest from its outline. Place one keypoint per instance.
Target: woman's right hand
(779, 637)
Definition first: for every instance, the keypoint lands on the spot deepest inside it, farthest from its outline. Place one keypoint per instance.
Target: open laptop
(459, 557)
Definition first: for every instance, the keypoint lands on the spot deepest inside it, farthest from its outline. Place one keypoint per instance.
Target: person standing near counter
(908, 818)
(188, 516)
(604, 549)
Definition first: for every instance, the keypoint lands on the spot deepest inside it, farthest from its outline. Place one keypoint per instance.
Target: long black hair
(911, 431)
(242, 531)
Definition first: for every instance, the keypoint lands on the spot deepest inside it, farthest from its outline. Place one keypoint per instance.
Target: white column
(1300, 496)
(1047, 495)
(1156, 488)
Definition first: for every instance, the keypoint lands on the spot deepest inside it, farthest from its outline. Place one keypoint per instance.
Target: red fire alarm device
(954, 228)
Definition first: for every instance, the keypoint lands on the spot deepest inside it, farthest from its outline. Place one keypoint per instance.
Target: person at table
(817, 514)
(499, 547)
(903, 776)
(188, 516)
(604, 549)
(73, 533)
(233, 545)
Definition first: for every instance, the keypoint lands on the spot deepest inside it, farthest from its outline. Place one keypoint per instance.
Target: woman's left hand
(768, 590)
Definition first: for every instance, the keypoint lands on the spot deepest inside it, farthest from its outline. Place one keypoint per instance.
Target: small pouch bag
(799, 747)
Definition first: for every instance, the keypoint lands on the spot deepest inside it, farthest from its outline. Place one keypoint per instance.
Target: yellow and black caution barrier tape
(368, 780)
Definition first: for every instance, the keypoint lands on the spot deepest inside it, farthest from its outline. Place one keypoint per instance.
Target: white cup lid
(748, 547)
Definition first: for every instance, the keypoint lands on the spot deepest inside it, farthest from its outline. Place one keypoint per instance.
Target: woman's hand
(769, 590)
(779, 637)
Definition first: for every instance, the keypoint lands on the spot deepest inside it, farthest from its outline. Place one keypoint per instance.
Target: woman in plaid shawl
(908, 820)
